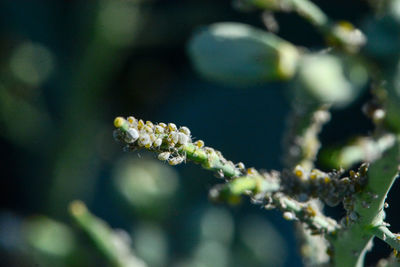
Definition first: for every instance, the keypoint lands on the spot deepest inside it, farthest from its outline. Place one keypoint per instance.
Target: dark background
(68, 68)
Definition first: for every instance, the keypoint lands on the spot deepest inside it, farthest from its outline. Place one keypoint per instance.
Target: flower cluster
(174, 145)
(166, 139)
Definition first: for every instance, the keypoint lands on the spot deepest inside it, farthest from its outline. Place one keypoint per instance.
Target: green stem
(255, 184)
(306, 214)
(342, 34)
(112, 246)
(263, 187)
(310, 12)
(210, 160)
(301, 140)
(301, 147)
(387, 236)
(363, 149)
(352, 241)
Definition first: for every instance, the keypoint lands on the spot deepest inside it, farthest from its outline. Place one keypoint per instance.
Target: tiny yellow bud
(140, 124)
(159, 129)
(311, 212)
(345, 25)
(131, 119)
(148, 129)
(240, 166)
(118, 122)
(298, 171)
(150, 124)
(313, 174)
(251, 171)
(172, 127)
(199, 143)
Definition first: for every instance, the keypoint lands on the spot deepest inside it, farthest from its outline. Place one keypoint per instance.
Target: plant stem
(387, 236)
(210, 160)
(112, 245)
(352, 241)
(343, 34)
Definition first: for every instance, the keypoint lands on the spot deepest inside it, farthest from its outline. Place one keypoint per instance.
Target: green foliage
(67, 69)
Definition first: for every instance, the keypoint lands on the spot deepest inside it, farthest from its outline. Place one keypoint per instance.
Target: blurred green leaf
(49, 237)
(239, 54)
(147, 185)
(328, 79)
(151, 244)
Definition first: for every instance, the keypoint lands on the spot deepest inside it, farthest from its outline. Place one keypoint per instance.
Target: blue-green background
(56, 132)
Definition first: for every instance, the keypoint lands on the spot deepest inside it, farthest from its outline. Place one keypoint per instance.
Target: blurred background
(67, 68)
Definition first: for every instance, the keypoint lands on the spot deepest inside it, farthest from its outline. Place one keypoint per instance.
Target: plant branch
(276, 190)
(365, 210)
(301, 140)
(113, 245)
(265, 190)
(341, 34)
(271, 187)
(174, 146)
(362, 149)
(383, 233)
(210, 159)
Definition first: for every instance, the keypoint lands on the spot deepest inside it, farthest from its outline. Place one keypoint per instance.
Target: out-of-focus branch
(362, 149)
(341, 34)
(113, 245)
(301, 143)
(301, 139)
